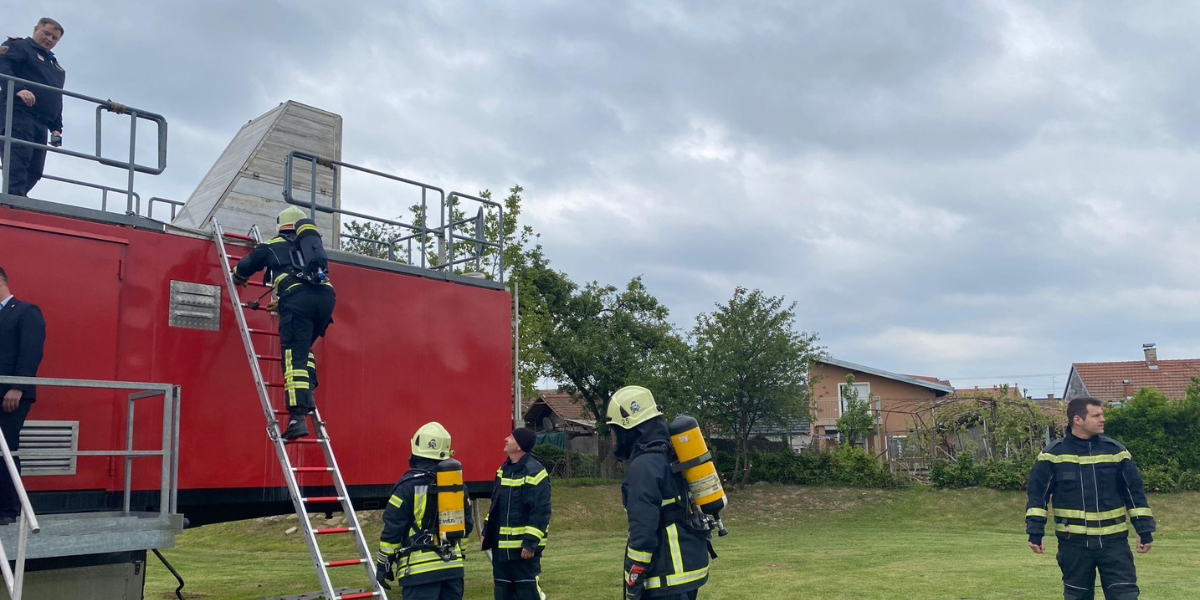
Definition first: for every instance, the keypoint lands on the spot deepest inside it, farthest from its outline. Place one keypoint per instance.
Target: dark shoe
(297, 427)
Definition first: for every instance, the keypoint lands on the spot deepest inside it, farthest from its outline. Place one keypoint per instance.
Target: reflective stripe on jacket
(520, 513)
(674, 557)
(1095, 490)
(409, 520)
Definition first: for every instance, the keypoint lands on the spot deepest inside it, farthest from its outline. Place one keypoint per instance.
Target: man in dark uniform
(22, 335)
(296, 268)
(664, 557)
(515, 530)
(409, 540)
(34, 110)
(1097, 493)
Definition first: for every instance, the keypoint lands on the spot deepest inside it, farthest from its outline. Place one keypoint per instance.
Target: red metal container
(406, 347)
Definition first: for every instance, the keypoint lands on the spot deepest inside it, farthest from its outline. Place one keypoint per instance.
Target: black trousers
(304, 314)
(517, 579)
(11, 424)
(27, 161)
(685, 596)
(450, 589)
(1079, 564)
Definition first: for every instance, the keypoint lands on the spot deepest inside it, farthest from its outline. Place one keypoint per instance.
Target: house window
(864, 393)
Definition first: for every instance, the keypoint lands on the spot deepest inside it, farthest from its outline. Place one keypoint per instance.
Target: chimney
(1050, 396)
(1128, 389)
(1151, 356)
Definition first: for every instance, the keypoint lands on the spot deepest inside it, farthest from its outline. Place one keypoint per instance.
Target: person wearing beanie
(1097, 497)
(525, 439)
(515, 530)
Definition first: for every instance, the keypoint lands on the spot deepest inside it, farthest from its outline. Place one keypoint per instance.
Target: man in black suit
(22, 335)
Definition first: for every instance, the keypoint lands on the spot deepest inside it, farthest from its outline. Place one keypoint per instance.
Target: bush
(1158, 479)
(1009, 475)
(1189, 481)
(959, 473)
(844, 465)
(548, 454)
(1158, 431)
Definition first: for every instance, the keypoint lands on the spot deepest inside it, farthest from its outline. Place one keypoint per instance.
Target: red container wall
(403, 350)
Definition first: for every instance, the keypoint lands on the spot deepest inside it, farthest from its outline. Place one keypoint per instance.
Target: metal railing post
(132, 163)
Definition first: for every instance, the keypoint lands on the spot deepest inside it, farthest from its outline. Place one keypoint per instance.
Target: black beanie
(525, 438)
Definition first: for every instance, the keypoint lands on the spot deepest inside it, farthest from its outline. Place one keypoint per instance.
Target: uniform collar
(4, 302)
(39, 48)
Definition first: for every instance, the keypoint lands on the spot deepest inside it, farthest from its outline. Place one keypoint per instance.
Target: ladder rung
(323, 499)
(268, 357)
(282, 412)
(345, 563)
(273, 384)
(263, 332)
(257, 284)
(358, 595)
(234, 258)
(311, 469)
(330, 530)
(304, 440)
(238, 236)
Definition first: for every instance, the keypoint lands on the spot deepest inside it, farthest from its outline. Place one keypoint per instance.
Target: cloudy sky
(983, 191)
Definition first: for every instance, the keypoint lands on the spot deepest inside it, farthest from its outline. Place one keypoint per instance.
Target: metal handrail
(480, 242)
(104, 188)
(444, 232)
(169, 451)
(332, 165)
(174, 204)
(26, 522)
(131, 165)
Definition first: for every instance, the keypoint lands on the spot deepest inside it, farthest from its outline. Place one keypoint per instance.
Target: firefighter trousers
(517, 579)
(450, 589)
(1114, 561)
(304, 314)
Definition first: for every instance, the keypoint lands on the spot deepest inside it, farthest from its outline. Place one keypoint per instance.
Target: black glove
(634, 583)
(384, 571)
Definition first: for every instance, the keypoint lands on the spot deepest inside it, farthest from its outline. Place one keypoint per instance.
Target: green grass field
(784, 542)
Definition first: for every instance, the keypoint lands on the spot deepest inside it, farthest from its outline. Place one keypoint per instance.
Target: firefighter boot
(297, 426)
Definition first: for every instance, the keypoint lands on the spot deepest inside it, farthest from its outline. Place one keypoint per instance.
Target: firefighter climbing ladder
(321, 438)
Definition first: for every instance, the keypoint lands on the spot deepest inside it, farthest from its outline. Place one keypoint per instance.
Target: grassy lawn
(784, 542)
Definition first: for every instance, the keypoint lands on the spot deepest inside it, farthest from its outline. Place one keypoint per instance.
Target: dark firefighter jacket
(411, 521)
(675, 558)
(24, 58)
(275, 255)
(1095, 489)
(520, 513)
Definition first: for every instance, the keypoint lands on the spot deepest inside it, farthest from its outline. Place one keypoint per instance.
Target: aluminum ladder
(320, 437)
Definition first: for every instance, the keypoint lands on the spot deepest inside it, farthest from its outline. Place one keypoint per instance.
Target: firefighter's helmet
(630, 406)
(288, 217)
(432, 441)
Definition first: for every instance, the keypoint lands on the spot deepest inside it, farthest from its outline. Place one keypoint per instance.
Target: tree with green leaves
(597, 339)
(857, 423)
(751, 368)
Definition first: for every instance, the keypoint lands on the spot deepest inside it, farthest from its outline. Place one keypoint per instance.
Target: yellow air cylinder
(451, 501)
(701, 476)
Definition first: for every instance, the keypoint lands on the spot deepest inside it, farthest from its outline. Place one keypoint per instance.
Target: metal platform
(76, 534)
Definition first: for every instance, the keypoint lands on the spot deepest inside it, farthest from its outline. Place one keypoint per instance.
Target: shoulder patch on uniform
(3, 49)
(13, 37)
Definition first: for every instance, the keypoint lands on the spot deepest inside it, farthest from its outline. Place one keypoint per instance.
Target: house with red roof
(1120, 381)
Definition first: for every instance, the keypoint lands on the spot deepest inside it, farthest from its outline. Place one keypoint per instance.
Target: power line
(1003, 376)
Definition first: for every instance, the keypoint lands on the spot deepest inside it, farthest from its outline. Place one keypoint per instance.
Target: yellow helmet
(630, 406)
(432, 441)
(288, 217)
